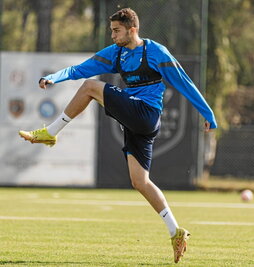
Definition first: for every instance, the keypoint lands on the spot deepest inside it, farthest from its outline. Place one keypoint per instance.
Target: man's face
(120, 35)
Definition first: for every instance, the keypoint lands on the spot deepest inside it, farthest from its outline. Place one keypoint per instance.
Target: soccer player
(142, 63)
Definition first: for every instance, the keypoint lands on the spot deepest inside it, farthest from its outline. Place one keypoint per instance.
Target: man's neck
(134, 43)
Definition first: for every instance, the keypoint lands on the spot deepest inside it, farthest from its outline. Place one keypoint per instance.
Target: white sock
(170, 221)
(55, 127)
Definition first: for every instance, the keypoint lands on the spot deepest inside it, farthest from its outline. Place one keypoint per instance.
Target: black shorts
(141, 122)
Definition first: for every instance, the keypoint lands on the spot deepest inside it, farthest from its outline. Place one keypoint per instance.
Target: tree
(47, 25)
(230, 51)
(1, 10)
(43, 11)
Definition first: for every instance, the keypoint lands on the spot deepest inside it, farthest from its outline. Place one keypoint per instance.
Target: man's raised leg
(89, 90)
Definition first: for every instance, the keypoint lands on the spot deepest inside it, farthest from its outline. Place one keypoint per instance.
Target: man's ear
(133, 30)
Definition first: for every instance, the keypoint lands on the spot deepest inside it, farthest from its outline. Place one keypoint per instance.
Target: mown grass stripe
(144, 203)
(224, 223)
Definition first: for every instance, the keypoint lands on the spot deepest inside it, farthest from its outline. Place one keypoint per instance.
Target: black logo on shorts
(114, 87)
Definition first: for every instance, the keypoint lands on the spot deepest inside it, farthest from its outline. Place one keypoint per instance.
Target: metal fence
(176, 24)
(178, 150)
(235, 153)
(180, 25)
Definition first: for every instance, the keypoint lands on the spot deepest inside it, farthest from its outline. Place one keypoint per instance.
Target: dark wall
(235, 153)
(175, 157)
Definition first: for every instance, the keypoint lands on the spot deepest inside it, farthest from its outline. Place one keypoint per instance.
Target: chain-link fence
(234, 154)
(83, 25)
(182, 27)
(178, 26)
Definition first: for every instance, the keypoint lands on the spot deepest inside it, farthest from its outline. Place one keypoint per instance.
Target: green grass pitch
(88, 227)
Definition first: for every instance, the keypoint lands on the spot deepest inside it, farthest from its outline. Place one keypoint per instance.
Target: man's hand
(207, 126)
(43, 83)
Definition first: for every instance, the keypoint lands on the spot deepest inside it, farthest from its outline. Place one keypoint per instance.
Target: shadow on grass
(82, 263)
(157, 264)
(41, 263)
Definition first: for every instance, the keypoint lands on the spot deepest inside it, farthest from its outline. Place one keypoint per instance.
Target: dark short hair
(126, 17)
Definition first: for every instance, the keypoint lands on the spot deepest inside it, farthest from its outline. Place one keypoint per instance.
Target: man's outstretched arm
(100, 63)
(176, 76)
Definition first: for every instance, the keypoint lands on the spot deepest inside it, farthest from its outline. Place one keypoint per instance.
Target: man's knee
(88, 86)
(93, 88)
(139, 182)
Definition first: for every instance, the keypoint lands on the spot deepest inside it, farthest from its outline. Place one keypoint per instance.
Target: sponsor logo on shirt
(124, 53)
(134, 98)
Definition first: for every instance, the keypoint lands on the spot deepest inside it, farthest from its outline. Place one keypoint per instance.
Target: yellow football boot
(39, 136)
(179, 243)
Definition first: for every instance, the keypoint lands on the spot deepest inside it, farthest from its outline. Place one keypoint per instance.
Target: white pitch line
(213, 205)
(91, 202)
(14, 218)
(17, 218)
(144, 203)
(73, 219)
(224, 223)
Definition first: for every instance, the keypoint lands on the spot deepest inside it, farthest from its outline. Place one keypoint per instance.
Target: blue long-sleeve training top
(159, 59)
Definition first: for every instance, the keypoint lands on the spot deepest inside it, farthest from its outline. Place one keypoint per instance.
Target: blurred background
(212, 39)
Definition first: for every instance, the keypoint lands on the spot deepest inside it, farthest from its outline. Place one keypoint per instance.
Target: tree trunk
(1, 31)
(43, 11)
